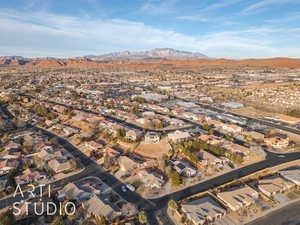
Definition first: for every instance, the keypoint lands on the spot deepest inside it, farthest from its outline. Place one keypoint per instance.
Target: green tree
(211, 131)
(142, 217)
(175, 178)
(121, 132)
(228, 137)
(139, 99)
(205, 126)
(236, 158)
(172, 205)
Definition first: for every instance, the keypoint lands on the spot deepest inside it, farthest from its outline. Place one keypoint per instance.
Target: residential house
(277, 140)
(273, 185)
(110, 152)
(211, 139)
(60, 109)
(184, 168)
(203, 210)
(236, 148)
(175, 122)
(214, 123)
(148, 114)
(68, 131)
(152, 137)
(150, 179)
(291, 174)
(72, 191)
(133, 135)
(238, 197)
(255, 135)
(7, 165)
(178, 111)
(49, 123)
(143, 121)
(30, 176)
(96, 206)
(59, 165)
(209, 159)
(231, 128)
(178, 136)
(95, 146)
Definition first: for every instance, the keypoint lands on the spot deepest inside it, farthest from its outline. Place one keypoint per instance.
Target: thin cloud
(159, 7)
(290, 17)
(222, 4)
(263, 4)
(194, 18)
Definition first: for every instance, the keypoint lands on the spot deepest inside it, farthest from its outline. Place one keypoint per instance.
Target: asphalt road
(288, 215)
(156, 207)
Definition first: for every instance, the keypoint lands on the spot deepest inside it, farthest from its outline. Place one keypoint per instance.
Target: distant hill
(157, 53)
(12, 60)
(156, 59)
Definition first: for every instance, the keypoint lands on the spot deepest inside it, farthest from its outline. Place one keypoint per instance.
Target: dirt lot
(153, 151)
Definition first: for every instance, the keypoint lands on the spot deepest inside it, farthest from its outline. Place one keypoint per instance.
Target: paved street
(156, 207)
(288, 215)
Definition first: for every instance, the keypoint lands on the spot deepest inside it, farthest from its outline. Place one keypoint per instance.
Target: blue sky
(217, 28)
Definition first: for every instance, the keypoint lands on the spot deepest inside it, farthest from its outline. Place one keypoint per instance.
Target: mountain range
(157, 53)
(156, 59)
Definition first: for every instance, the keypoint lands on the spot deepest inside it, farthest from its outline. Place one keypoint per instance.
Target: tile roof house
(99, 207)
(231, 128)
(277, 141)
(60, 109)
(238, 197)
(178, 136)
(208, 158)
(7, 165)
(93, 145)
(183, 168)
(109, 151)
(133, 135)
(255, 135)
(71, 191)
(236, 148)
(151, 180)
(152, 137)
(203, 210)
(292, 175)
(29, 176)
(211, 139)
(273, 185)
(215, 123)
(59, 165)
